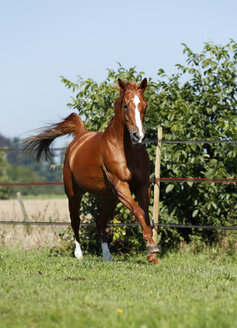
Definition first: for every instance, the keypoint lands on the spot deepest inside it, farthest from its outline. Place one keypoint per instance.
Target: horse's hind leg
(108, 207)
(74, 207)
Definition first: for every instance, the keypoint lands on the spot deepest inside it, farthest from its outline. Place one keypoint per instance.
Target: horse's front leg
(124, 195)
(143, 195)
(108, 207)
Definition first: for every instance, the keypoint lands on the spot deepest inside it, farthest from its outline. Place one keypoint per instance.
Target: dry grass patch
(38, 210)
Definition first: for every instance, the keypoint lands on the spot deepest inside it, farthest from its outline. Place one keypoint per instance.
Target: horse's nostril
(135, 136)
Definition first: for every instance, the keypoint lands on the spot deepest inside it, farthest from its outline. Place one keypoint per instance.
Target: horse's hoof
(108, 258)
(78, 255)
(80, 258)
(152, 249)
(152, 258)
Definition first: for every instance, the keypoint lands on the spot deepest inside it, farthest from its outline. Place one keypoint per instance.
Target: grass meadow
(38, 289)
(41, 286)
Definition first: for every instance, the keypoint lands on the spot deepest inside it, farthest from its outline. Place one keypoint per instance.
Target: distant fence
(155, 180)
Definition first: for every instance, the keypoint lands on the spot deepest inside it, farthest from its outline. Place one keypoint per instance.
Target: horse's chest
(139, 166)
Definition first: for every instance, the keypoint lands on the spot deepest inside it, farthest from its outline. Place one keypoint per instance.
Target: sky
(43, 40)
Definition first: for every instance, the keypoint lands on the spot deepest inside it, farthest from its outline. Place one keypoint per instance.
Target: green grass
(41, 290)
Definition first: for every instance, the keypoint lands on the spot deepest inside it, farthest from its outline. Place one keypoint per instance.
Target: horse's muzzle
(136, 139)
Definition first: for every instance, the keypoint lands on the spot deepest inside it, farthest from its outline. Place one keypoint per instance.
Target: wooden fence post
(157, 185)
(25, 216)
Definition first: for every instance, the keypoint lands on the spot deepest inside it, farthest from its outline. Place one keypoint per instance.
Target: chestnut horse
(109, 165)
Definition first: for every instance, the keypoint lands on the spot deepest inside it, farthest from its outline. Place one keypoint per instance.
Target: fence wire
(147, 142)
(114, 225)
(154, 180)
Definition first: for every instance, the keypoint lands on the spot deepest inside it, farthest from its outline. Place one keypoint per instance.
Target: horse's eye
(125, 107)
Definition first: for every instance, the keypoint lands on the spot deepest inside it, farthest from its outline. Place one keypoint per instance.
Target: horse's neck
(115, 132)
(128, 146)
(120, 135)
(115, 129)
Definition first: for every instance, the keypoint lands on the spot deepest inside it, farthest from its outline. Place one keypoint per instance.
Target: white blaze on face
(136, 101)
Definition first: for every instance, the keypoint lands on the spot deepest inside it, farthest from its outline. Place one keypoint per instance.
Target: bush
(4, 191)
(197, 102)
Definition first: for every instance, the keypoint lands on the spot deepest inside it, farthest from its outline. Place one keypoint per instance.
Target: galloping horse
(109, 164)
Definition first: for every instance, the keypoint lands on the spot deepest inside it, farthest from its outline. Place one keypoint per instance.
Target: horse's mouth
(137, 137)
(137, 143)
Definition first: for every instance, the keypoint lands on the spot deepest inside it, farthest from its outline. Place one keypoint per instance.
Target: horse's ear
(142, 86)
(122, 84)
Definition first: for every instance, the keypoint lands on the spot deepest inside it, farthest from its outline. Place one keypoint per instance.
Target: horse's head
(133, 108)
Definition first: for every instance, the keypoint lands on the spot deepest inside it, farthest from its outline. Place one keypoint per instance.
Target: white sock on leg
(107, 256)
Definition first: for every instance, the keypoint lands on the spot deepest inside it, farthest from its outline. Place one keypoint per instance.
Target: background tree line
(18, 167)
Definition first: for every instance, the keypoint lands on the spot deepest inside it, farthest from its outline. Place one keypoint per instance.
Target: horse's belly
(85, 164)
(93, 184)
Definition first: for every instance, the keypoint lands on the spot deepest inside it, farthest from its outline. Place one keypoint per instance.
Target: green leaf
(195, 213)
(169, 188)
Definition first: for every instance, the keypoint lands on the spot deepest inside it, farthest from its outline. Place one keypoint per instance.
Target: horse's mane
(129, 86)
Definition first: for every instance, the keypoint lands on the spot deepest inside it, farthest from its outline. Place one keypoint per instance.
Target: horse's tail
(39, 145)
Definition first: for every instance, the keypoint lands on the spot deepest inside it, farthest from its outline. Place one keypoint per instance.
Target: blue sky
(41, 40)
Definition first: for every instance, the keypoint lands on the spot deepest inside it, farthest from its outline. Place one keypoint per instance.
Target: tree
(16, 166)
(4, 166)
(197, 102)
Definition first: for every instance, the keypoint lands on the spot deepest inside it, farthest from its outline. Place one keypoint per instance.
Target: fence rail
(31, 184)
(167, 180)
(148, 142)
(202, 141)
(131, 224)
(153, 180)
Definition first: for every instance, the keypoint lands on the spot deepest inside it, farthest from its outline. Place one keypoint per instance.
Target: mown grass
(38, 289)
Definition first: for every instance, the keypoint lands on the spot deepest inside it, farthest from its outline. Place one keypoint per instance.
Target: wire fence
(153, 180)
(147, 142)
(202, 141)
(129, 224)
(159, 225)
